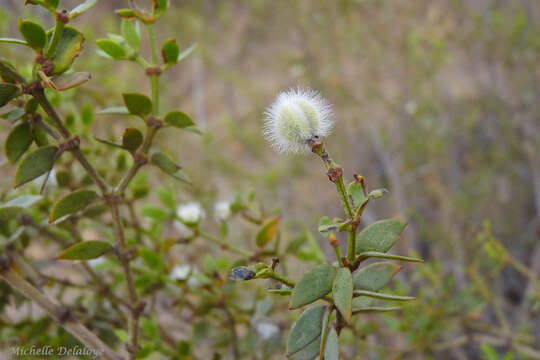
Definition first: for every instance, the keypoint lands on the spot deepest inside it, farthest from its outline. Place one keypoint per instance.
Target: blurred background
(436, 101)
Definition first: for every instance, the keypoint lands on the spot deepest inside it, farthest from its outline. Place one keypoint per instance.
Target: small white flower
(266, 329)
(222, 210)
(410, 107)
(180, 272)
(190, 213)
(297, 116)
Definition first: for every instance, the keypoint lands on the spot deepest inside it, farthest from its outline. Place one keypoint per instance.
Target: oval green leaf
(86, 250)
(380, 236)
(170, 51)
(137, 104)
(164, 162)
(13, 115)
(375, 276)
(35, 164)
(13, 207)
(331, 350)
(130, 32)
(342, 292)
(178, 119)
(306, 329)
(72, 203)
(8, 92)
(315, 284)
(81, 8)
(132, 139)
(18, 141)
(112, 48)
(310, 352)
(33, 33)
(267, 231)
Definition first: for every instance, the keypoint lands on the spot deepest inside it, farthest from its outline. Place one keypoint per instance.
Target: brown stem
(59, 313)
(40, 97)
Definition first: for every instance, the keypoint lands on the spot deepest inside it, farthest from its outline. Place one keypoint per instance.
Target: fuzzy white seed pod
(297, 116)
(222, 210)
(190, 213)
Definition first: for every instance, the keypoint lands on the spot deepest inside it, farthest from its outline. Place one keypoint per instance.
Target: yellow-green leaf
(33, 33)
(81, 8)
(342, 292)
(267, 231)
(306, 329)
(164, 162)
(13, 207)
(315, 284)
(379, 236)
(68, 48)
(35, 164)
(137, 104)
(132, 139)
(85, 250)
(72, 203)
(375, 276)
(18, 141)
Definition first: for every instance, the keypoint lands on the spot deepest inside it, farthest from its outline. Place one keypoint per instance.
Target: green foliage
(18, 141)
(72, 203)
(85, 250)
(35, 164)
(137, 104)
(68, 48)
(33, 33)
(313, 285)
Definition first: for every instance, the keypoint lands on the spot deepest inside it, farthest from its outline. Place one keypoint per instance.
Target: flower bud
(222, 210)
(297, 116)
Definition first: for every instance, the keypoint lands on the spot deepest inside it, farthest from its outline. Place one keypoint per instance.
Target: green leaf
(68, 81)
(309, 352)
(380, 236)
(375, 254)
(160, 6)
(178, 119)
(164, 162)
(342, 292)
(306, 329)
(112, 48)
(375, 276)
(326, 226)
(382, 296)
(315, 284)
(375, 309)
(115, 110)
(137, 104)
(122, 335)
(170, 51)
(87, 114)
(13, 115)
(35, 164)
(13, 207)
(154, 212)
(184, 54)
(33, 33)
(72, 203)
(9, 74)
(68, 48)
(361, 302)
(267, 231)
(8, 92)
(131, 33)
(50, 5)
(356, 194)
(85, 250)
(167, 198)
(18, 141)
(132, 139)
(151, 259)
(40, 136)
(331, 350)
(81, 8)
(12, 41)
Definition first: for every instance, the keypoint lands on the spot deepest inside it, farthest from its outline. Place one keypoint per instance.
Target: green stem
(57, 34)
(154, 79)
(282, 279)
(224, 245)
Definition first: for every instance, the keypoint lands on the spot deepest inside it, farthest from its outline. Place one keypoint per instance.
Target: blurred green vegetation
(437, 101)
